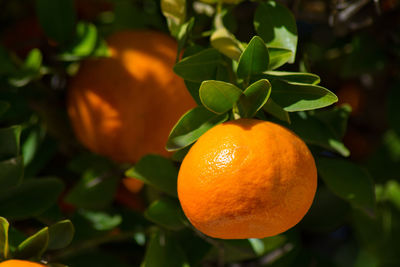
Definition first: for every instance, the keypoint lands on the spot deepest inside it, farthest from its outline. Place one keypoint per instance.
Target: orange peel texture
(247, 179)
(20, 263)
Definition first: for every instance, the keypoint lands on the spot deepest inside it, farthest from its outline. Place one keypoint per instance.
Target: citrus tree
(219, 117)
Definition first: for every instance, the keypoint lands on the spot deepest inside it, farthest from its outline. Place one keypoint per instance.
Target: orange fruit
(20, 263)
(124, 106)
(247, 179)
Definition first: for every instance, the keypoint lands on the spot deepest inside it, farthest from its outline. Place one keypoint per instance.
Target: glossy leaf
(226, 43)
(200, 66)
(219, 97)
(254, 98)
(298, 96)
(34, 246)
(254, 59)
(278, 57)
(191, 126)
(276, 25)
(4, 238)
(156, 171)
(298, 77)
(348, 181)
(166, 213)
(277, 111)
(31, 198)
(175, 12)
(60, 234)
(335, 119)
(164, 251)
(57, 18)
(11, 173)
(9, 142)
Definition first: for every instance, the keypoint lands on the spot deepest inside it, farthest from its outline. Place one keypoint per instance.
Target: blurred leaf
(183, 35)
(348, 181)
(314, 132)
(393, 192)
(298, 96)
(86, 42)
(277, 26)
(31, 198)
(31, 143)
(11, 173)
(57, 18)
(191, 126)
(3, 107)
(164, 251)
(9, 142)
(7, 67)
(61, 234)
(167, 213)
(335, 119)
(392, 110)
(254, 59)
(268, 244)
(4, 238)
(226, 43)
(34, 246)
(298, 77)
(93, 191)
(278, 57)
(254, 98)
(219, 97)
(101, 220)
(156, 171)
(366, 259)
(175, 12)
(277, 111)
(99, 258)
(29, 71)
(199, 67)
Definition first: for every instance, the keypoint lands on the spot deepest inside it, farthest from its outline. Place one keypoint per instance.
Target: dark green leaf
(348, 181)
(183, 35)
(156, 171)
(191, 126)
(278, 57)
(11, 173)
(167, 213)
(335, 119)
(100, 220)
(254, 59)
(226, 43)
(277, 111)
(199, 67)
(3, 107)
(34, 246)
(175, 12)
(164, 251)
(254, 98)
(277, 26)
(298, 77)
(193, 88)
(57, 18)
(4, 238)
(298, 96)
(219, 97)
(9, 142)
(7, 66)
(60, 234)
(30, 198)
(393, 100)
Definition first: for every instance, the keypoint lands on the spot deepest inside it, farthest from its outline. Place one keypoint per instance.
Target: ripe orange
(124, 106)
(247, 179)
(20, 263)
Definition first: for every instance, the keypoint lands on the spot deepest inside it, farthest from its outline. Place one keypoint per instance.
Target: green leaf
(4, 106)
(31, 198)
(167, 213)
(11, 173)
(193, 88)
(200, 66)
(9, 142)
(164, 251)
(34, 246)
(29, 71)
(254, 59)
(254, 98)
(348, 181)
(4, 238)
(156, 171)
(277, 26)
(298, 77)
(218, 96)
(314, 132)
(183, 35)
(57, 18)
(335, 119)
(101, 220)
(61, 234)
(86, 42)
(278, 57)
(298, 96)
(191, 126)
(277, 111)
(226, 43)
(33, 61)
(175, 12)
